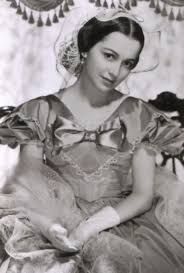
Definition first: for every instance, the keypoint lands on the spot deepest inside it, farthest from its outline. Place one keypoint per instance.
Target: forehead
(123, 45)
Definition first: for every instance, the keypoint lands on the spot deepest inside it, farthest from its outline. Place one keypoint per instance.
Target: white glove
(103, 219)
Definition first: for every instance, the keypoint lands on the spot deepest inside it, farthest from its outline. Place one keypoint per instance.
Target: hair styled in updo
(95, 30)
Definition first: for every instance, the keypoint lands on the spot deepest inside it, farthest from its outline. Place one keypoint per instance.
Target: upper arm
(143, 171)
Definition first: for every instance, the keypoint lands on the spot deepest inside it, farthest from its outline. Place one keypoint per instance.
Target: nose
(114, 70)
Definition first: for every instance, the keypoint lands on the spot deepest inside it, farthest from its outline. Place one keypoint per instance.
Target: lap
(138, 246)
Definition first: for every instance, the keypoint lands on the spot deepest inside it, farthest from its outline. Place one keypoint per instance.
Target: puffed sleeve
(149, 127)
(26, 124)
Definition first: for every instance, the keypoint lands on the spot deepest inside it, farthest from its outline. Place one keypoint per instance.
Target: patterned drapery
(32, 10)
(42, 5)
(176, 3)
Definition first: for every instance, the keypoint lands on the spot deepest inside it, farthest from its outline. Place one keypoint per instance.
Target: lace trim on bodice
(97, 173)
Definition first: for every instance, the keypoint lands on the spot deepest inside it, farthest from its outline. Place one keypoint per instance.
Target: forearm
(134, 205)
(138, 202)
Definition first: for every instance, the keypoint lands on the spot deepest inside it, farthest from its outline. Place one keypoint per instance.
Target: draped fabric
(42, 5)
(177, 3)
(94, 175)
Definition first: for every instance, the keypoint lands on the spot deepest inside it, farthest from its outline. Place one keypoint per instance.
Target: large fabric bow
(110, 133)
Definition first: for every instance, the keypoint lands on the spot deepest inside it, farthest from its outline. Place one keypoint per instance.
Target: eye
(109, 56)
(129, 64)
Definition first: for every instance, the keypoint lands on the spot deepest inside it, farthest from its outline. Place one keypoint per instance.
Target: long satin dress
(96, 165)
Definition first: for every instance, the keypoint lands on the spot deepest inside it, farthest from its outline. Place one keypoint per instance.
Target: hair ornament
(107, 15)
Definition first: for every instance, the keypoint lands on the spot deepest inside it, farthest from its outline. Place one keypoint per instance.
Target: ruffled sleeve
(26, 124)
(149, 127)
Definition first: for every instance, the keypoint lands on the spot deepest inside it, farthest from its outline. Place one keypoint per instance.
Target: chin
(105, 89)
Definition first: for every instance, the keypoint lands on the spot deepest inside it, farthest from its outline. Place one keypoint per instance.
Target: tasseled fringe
(66, 7)
(164, 11)
(113, 5)
(157, 8)
(152, 4)
(134, 3)
(31, 18)
(13, 4)
(127, 5)
(24, 15)
(98, 3)
(55, 18)
(40, 22)
(48, 22)
(70, 2)
(30, 15)
(19, 10)
(61, 13)
(105, 4)
(175, 13)
(171, 15)
(179, 16)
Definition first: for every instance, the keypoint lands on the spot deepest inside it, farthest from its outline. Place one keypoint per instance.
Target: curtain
(177, 3)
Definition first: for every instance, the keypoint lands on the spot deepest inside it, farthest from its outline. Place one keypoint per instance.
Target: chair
(5, 110)
(169, 103)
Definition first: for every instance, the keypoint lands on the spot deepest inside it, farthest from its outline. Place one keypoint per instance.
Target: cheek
(124, 74)
(97, 62)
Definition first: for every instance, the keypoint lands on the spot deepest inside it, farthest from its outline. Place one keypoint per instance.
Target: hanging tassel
(98, 3)
(157, 8)
(48, 22)
(40, 22)
(127, 5)
(164, 11)
(105, 4)
(66, 7)
(152, 4)
(61, 14)
(55, 18)
(134, 3)
(171, 15)
(24, 15)
(13, 4)
(113, 5)
(19, 10)
(70, 2)
(31, 18)
(179, 16)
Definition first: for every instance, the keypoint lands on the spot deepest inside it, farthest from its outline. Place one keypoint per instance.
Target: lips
(108, 81)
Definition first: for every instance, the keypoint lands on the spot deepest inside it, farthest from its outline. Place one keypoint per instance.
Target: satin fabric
(96, 167)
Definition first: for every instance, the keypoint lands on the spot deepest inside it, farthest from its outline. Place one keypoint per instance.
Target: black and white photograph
(91, 136)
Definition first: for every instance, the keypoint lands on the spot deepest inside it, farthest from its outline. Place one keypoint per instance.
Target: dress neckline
(80, 123)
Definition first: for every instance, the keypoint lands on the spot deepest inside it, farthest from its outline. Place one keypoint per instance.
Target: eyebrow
(106, 48)
(129, 59)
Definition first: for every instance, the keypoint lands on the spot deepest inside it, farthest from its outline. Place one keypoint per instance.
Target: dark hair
(94, 31)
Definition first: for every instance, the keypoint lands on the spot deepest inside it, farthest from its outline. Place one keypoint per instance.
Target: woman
(102, 144)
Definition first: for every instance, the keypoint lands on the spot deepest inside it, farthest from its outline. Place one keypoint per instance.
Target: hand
(54, 232)
(58, 236)
(101, 220)
(82, 234)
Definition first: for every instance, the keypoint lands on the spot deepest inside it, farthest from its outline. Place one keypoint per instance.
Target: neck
(92, 95)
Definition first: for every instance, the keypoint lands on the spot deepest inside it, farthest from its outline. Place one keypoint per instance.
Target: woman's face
(110, 61)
